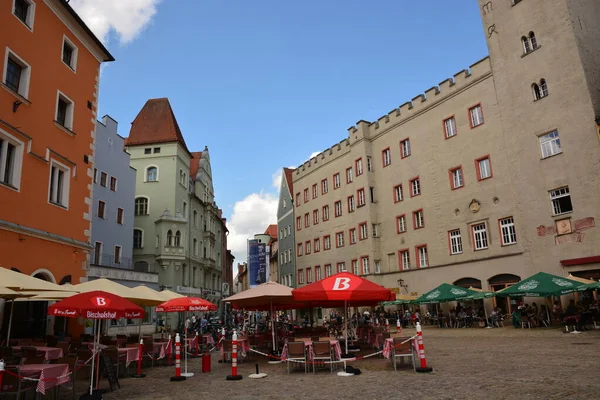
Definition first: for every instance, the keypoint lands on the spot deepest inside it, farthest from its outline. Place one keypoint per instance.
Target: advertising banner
(253, 262)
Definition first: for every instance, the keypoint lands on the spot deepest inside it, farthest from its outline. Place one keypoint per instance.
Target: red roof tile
(155, 123)
(195, 163)
(288, 177)
(272, 231)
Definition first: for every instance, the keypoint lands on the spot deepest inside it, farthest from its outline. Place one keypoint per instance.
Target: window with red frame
(309, 275)
(418, 219)
(307, 247)
(315, 190)
(298, 223)
(306, 195)
(352, 234)
(301, 277)
(315, 217)
(336, 181)
(317, 245)
(415, 187)
(398, 195)
(363, 233)
(299, 249)
(457, 179)
(324, 186)
(318, 276)
(339, 239)
(297, 199)
(359, 167)
(349, 175)
(483, 167)
(325, 213)
(361, 197)
(422, 256)
(327, 242)
(351, 203)
(306, 220)
(338, 208)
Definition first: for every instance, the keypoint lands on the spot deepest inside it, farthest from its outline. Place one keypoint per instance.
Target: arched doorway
(502, 281)
(467, 283)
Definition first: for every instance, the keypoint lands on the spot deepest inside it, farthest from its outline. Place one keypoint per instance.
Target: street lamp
(401, 285)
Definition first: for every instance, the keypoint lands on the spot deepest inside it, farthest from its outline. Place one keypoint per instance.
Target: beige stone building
(485, 179)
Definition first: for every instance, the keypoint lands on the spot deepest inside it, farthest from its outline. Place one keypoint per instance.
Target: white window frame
(146, 173)
(419, 218)
(370, 164)
(141, 238)
(300, 277)
(415, 187)
(336, 181)
(361, 197)
(405, 147)
(318, 276)
(398, 194)
(70, 116)
(17, 162)
(355, 269)
(359, 167)
(74, 55)
(488, 168)
(66, 184)
(317, 244)
(324, 186)
(401, 223)
(326, 212)
(480, 236)
(458, 179)
(315, 217)
(559, 193)
(30, 14)
(455, 240)
(327, 270)
(352, 235)
(103, 216)
(550, 144)
(299, 249)
(309, 275)
(351, 205)
(25, 73)
(147, 205)
(122, 222)
(377, 266)
(405, 259)
(423, 254)
(327, 242)
(341, 267)
(476, 116)
(349, 175)
(338, 208)
(374, 231)
(363, 233)
(387, 157)
(365, 265)
(508, 231)
(450, 127)
(339, 239)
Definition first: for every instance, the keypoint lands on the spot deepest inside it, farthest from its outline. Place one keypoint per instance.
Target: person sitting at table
(571, 309)
(516, 318)
(556, 310)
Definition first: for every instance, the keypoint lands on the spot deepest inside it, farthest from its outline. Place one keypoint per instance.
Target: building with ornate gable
(285, 226)
(178, 228)
(483, 180)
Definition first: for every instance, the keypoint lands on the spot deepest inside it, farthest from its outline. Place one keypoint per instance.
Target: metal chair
(322, 351)
(403, 347)
(296, 353)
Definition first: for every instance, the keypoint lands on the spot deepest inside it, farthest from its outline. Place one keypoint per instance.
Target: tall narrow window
(327, 242)
(352, 234)
(170, 238)
(456, 178)
(401, 223)
(418, 219)
(455, 242)
(480, 237)
(540, 90)
(24, 11)
(11, 156)
(113, 183)
(349, 175)
(69, 53)
(484, 168)
(398, 193)
(386, 156)
(422, 255)
(117, 255)
(415, 187)
(324, 186)
(327, 270)
(476, 116)
(450, 127)
(141, 206)
(306, 220)
(325, 213)
(355, 270)
(405, 148)
(365, 265)
(338, 208)
(138, 239)
(315, 217)
(315, 191)
(404, 256)
(58, 192)
(64, 111)
(339, 237)
(351, 205)
(508, 231)
(363, 232)
(151, 174)
(101, 209)
(120, 212)
(361, 197)
(359, 167)
(336, 181)
(341, 267)
(369, 164)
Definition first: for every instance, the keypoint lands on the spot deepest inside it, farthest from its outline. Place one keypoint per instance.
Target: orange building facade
(48, 101)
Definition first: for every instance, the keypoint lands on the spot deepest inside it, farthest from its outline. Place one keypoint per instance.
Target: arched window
(540, 90)
(195, 246)
(65, 279)
(152, 174)
(141, 206)
(177, 239)
(529, 43)
(138, 239)
(169, 238)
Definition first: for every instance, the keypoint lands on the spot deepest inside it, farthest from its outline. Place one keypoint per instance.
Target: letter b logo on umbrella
(101, 301)
(341, 284)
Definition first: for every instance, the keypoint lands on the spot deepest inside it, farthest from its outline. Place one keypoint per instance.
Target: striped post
(169, 349)
(139, 366)
(234, 375)
(423, 367)
(398, 326)
(196, 345)
(177, 376)
(387, 325)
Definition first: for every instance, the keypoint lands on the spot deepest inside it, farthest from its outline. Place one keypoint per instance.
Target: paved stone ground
(475, 363)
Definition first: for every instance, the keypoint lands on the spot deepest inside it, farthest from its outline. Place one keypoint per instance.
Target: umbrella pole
(93, 359)
(273, 328)
(346, 319)
(487, 324)
(12, 307)
(97, 346)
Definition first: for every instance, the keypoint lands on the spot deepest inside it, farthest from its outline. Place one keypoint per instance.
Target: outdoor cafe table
(335, 344)
(50, 353)
(131, 354)
(47, 374)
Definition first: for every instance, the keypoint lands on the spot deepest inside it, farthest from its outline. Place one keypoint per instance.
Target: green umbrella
(482, 295)
(541, 285)
(445, 292)
(589, 286)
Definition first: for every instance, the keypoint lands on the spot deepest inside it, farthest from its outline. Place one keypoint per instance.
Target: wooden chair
(324, 352)
(403, 347)
(296, 353)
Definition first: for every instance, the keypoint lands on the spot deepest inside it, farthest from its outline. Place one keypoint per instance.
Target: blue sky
(266, 83)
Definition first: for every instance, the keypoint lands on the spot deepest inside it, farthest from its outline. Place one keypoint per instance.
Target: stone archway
(500, 282)
(468, 282)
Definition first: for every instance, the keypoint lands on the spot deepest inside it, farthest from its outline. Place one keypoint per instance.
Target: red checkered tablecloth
(50, 375)
(133, 353)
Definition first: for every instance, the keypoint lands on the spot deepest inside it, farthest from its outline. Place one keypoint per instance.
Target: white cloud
(314, 154)
(250, 216)
(277, 178)
(125, 18)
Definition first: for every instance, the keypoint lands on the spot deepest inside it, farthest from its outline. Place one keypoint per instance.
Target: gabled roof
(195, 164)
(155, 123)
(288, 177)
(272, 231)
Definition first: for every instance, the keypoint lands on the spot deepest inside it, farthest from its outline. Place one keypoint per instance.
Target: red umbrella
(343, 287)
(96, 305)
(186, 304)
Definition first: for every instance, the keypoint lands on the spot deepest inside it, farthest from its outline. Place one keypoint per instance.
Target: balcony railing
(109, 260)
